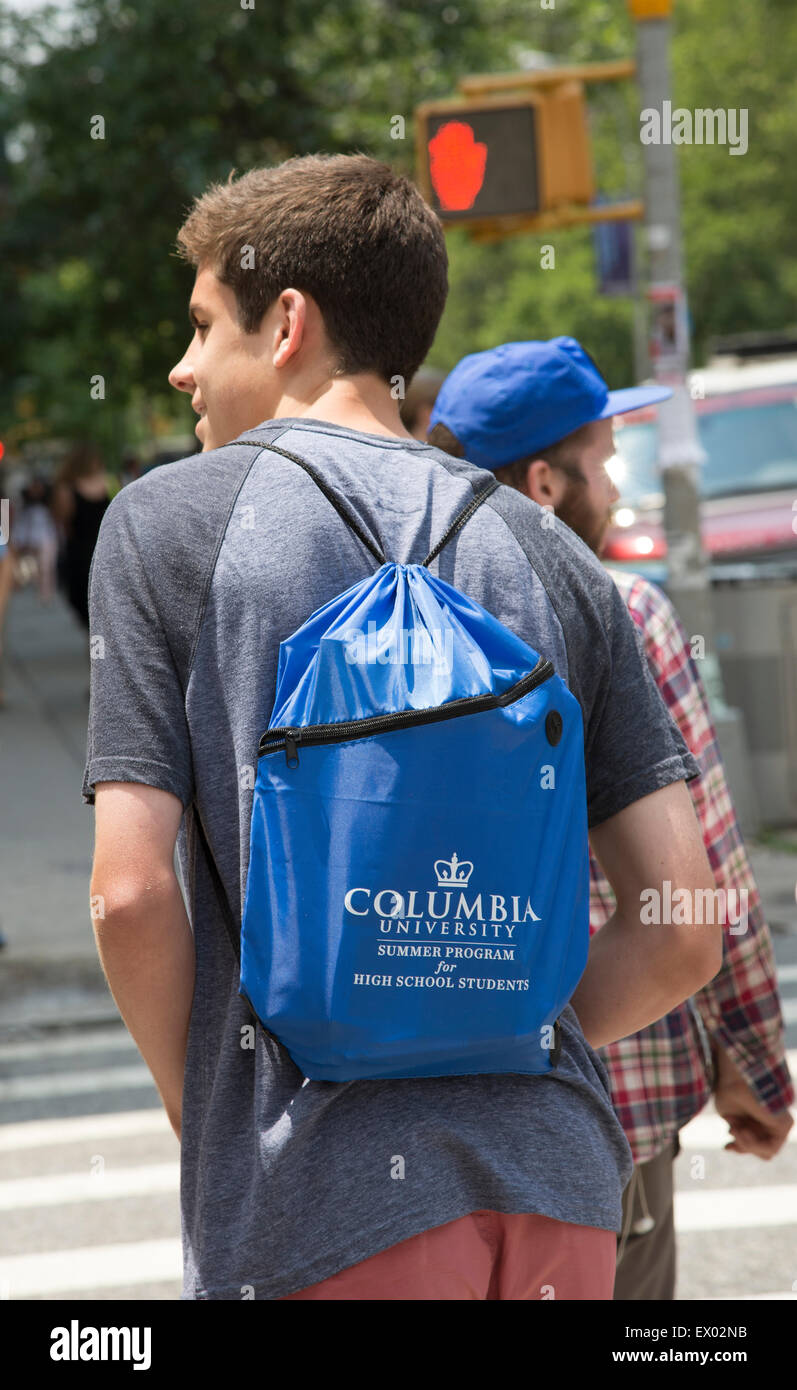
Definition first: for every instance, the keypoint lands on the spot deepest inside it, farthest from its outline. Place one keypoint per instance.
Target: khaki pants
(646, 1261)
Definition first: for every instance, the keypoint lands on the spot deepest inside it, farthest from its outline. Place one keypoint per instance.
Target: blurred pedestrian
(36, 535)
(729, 1039)
(7, 563)
(416, 408)
(131, 468)
(81, 496)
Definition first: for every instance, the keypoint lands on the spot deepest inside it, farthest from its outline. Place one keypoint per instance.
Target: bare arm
(6, 585)
(141, 927)
(637, 971)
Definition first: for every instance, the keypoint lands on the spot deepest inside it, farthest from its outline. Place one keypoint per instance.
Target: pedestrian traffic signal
(505, 157)
(650, 9)
(483, 163)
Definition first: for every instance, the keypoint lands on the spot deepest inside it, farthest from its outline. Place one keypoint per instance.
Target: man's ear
(289, 327)
(542, 485)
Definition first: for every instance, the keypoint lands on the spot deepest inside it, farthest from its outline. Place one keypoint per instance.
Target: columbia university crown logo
(453, 872)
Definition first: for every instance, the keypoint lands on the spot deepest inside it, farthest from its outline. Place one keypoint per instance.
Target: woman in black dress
(81, 496)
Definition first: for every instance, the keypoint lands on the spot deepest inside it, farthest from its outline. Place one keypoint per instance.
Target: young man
(662, 1076)
(320, 285)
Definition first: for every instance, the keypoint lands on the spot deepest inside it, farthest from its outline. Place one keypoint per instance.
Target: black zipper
(288, 739)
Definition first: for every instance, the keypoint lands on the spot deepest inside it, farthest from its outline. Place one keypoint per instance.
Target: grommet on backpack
(417, 895)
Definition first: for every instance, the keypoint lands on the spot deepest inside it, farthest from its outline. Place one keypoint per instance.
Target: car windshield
(750, 448)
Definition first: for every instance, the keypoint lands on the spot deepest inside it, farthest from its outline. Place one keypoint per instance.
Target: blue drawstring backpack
(417, 895)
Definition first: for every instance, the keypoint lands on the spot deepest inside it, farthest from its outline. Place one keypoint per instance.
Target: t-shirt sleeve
(137, 729)
(632, 745)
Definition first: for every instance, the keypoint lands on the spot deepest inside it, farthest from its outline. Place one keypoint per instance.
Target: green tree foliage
(739, 212)
(191, 89)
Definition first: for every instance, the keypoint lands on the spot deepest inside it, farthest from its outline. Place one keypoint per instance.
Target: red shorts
(486, 1255)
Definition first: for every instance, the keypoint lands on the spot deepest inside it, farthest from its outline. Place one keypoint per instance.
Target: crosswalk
(89, 1183)
(89, 1171)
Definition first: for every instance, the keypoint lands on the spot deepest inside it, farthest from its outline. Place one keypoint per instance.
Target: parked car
(747, 424)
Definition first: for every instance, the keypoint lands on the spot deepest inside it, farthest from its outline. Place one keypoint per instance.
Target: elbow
(707, 963)
(115, 902)
(696, 913)
(701, 951)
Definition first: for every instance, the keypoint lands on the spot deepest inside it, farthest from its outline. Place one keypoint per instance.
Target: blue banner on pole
(614, 256)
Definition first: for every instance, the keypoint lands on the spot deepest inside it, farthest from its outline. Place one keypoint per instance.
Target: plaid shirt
(663, 1075)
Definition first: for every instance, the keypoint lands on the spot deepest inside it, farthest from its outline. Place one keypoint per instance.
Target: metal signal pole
(680, 452)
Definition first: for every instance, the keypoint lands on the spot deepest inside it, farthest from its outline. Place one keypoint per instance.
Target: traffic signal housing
(501, 158)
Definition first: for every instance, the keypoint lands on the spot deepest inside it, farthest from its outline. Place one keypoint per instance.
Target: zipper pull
(293, 737)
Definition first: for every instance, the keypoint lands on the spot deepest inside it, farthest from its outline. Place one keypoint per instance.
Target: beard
(577, 512)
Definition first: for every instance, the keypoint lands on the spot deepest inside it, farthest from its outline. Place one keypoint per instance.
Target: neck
(356, 402)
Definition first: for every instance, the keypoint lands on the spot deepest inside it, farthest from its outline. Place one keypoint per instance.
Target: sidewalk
(49, 969)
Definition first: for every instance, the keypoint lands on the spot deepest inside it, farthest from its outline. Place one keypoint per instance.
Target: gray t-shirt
(202, 568)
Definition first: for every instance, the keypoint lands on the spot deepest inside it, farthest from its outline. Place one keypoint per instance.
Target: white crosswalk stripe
(731, 1209)
(59, 1272)
(74, 1083)
(98, 1040)
(35, 1134)
(789, 1011)
(96, 1185)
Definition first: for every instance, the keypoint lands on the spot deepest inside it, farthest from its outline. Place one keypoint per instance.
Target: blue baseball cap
(508, 402)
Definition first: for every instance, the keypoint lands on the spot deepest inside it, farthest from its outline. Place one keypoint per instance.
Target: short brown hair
(347, 230)
(558, 455)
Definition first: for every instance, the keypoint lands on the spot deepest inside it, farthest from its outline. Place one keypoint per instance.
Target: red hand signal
(456, 164)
